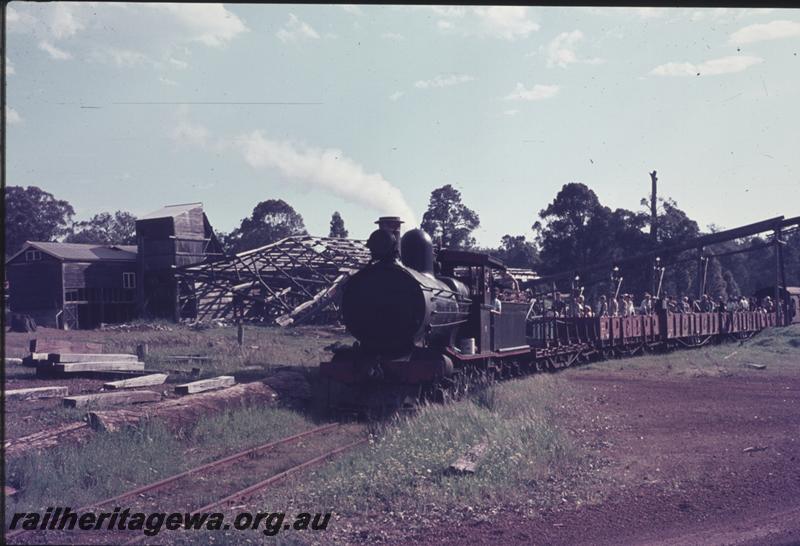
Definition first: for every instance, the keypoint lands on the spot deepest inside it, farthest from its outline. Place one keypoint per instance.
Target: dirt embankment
(689, 461)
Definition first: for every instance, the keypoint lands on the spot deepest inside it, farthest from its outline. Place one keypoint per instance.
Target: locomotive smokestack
(391, 224)
(384, 243)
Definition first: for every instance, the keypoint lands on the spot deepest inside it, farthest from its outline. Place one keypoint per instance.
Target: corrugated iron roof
(82, 252)
(170, 211)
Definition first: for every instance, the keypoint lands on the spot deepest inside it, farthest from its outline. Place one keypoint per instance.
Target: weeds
(110, 463)
(406, 468)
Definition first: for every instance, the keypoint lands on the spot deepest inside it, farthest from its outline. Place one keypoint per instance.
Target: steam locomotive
(425, 324)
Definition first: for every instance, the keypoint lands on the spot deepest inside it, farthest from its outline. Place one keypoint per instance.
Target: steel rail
(195, 470)
(242, 493)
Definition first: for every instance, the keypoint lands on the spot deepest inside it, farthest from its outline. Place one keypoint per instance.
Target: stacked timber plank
(36, 393)
(106, 399)
(206, 385)
(66, 363)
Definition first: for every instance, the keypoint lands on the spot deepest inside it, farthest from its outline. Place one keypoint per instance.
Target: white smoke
(327, 169)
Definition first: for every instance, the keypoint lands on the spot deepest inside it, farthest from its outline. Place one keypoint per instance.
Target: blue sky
(366, 109)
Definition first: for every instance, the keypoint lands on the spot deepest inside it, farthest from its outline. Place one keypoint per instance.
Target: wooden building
(168, 238)
(65, 285)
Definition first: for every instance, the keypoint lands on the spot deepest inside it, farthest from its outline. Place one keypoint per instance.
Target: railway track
(203, 488)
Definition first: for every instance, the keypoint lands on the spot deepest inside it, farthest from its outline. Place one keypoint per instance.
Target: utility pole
(653, 228)
(653, 210)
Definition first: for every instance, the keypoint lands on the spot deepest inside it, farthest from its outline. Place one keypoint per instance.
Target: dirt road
(708, 460)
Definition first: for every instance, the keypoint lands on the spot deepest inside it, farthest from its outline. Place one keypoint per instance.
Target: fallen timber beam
(141, 381)
(205, 385)
(57, 358)
(185, 411)
(111, 399)
(75, 367)
(75, 431)
(36, 393)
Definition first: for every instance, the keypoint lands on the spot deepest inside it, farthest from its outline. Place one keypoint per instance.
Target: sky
(367, 109)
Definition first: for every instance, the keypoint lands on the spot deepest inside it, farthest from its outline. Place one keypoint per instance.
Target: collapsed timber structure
(292, 281)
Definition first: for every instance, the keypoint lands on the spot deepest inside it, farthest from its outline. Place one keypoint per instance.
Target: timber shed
(168, 238)
(67, 285)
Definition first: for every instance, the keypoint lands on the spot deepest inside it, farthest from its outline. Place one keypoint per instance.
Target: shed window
(33, 255)
(129, 280)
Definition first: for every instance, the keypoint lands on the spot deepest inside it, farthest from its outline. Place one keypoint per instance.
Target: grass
(110, 463)
(263, 346)
(405, 468)
(777, 348)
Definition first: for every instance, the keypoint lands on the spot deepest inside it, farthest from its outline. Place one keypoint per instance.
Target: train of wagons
(425, 325)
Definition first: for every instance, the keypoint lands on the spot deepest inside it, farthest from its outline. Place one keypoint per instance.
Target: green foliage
(110, 463)
(337, 226)
(405, 468)
(271, 220)
(577, 231)
(515, 251)
(33, 214)
(105, 229)
(448, 221)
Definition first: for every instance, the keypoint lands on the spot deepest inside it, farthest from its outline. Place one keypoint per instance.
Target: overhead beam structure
(290, 281)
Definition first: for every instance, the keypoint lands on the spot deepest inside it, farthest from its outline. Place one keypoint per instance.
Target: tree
(33, 214)
(105, 229)
(337, 226)
(515, 251)
(448, 220)
(270, 221)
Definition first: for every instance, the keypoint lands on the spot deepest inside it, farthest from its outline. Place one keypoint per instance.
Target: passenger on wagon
(613, 307)
(630, 308)
(721, 306)
(706, 305)
(744, 304)
(646, 307)
(558, 306)
(685, 307)
(602, 307)
(769, 306)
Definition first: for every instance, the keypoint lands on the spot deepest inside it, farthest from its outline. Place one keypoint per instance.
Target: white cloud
(167, 81)
(396, 95)
(713, 67)
(295, 29)
(392, 36)
(449, 11)
(537, 92)
(210, 24)
(444, 81)
(774, 30)
(54, 52)
(178, 63)
(352, 9)
(511, 112)
(186, 132)
(329, 170)
(19, 21)
(508, 22)
(121, 57)
(9, 67)
(561, 50)
(12, 116)
(62, 21)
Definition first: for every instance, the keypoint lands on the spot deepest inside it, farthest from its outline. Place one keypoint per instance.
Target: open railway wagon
(426, 325)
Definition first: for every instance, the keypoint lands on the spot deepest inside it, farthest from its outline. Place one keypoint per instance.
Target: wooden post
(780, 278)
(141, 351)
(32, 345)
(653, 227)
(701, 277)
(240, 333)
